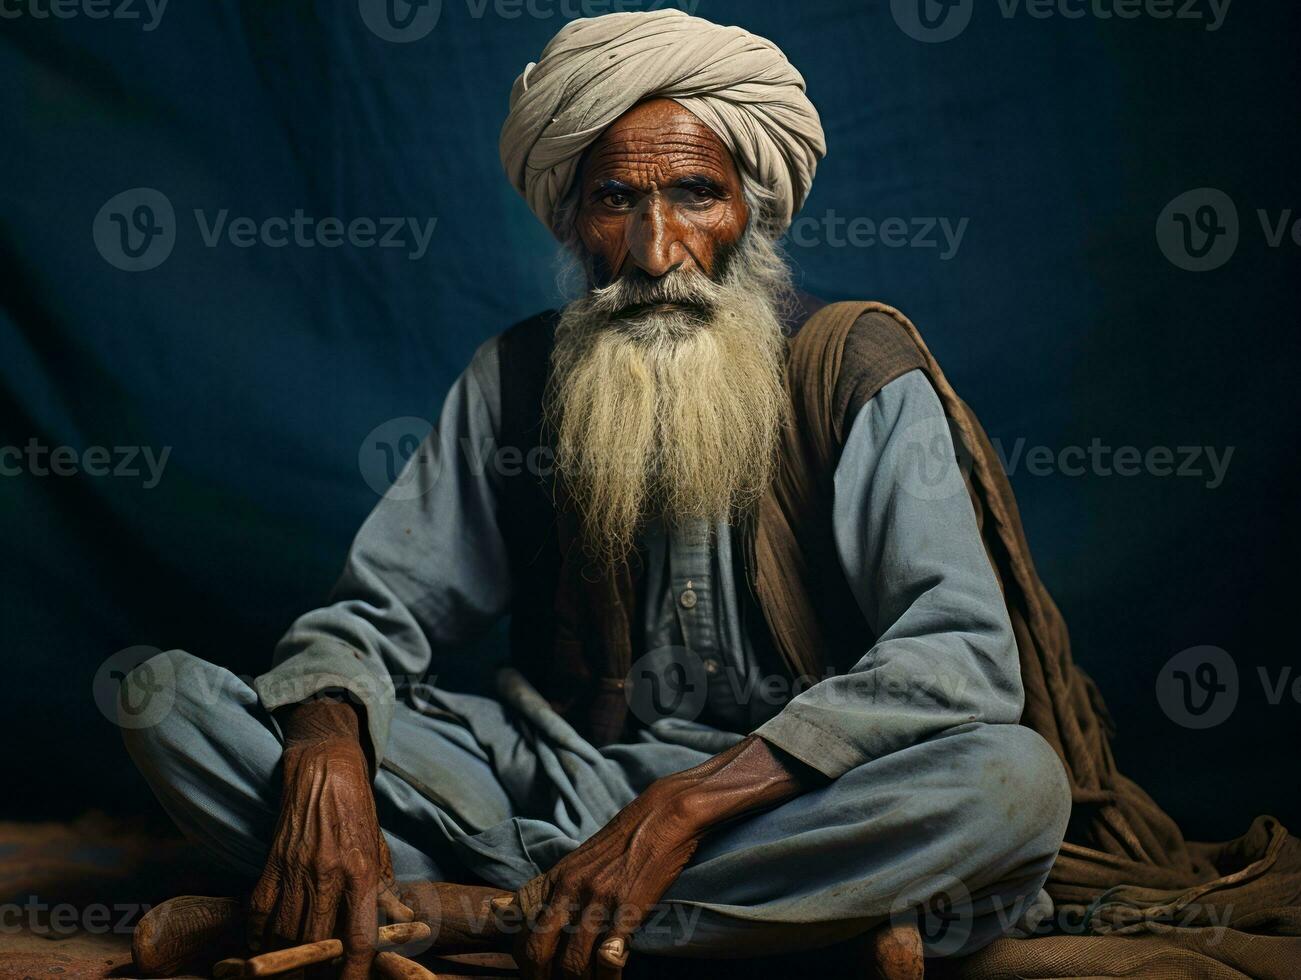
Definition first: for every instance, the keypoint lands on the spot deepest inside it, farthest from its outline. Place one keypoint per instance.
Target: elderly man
(765, 691)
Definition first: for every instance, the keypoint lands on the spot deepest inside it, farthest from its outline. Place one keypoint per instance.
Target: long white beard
(671, 413)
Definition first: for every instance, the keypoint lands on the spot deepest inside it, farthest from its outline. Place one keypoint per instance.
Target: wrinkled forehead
(658, 141)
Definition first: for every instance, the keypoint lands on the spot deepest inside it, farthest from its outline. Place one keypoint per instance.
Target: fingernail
(614, 949)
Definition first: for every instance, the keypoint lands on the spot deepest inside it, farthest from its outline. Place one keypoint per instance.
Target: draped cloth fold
(595, 69)
(1133, 895)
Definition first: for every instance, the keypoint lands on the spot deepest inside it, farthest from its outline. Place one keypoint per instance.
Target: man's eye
(616, 200)
(702, 194)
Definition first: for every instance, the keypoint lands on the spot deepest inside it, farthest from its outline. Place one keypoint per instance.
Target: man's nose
(655, 236)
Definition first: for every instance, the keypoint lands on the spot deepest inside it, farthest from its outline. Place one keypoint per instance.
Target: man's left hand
(597, 896)
(603, 891)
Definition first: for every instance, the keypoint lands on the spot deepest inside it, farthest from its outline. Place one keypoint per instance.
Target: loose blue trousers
(965, 825)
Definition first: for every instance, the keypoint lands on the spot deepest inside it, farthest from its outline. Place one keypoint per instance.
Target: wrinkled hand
(598, 895)
(329, 872)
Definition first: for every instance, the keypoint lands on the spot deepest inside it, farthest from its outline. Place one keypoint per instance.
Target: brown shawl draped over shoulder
(1154, 904)
(1142, 900)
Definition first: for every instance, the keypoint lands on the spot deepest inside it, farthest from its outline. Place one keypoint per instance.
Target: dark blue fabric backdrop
(1058, 140)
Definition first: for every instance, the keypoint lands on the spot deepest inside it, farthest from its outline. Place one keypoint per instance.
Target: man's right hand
(329, 872)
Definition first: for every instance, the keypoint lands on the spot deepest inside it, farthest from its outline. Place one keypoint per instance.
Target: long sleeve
(906, 535)
(427, 569)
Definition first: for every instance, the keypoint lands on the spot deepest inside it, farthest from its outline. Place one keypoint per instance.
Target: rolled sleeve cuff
(829, 754)
(332, 668)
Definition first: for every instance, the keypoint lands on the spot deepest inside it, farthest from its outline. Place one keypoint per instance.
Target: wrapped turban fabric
(595, 69)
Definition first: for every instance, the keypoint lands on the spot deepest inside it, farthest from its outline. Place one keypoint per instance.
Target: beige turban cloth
(741, 86)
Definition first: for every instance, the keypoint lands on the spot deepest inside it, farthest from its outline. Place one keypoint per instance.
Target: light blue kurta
(934, 787)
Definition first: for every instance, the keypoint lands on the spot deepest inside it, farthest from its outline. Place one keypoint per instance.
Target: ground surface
(71, 893)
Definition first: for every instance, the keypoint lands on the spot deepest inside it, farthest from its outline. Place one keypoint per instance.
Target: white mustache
(684, 288)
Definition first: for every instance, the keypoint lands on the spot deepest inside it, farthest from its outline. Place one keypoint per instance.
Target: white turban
(739, 85)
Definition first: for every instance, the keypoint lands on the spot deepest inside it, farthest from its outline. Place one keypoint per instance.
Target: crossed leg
(965, 826)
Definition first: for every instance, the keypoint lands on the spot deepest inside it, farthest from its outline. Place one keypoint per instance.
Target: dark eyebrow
(612, 186)
(690, 182)
(694, 182)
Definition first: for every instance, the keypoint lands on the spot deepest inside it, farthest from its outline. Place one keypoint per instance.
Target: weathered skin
(329, 872)
(658, 191)
(602, 891)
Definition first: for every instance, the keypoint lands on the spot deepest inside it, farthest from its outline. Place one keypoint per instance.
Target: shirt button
(712, 666)
(688, 599)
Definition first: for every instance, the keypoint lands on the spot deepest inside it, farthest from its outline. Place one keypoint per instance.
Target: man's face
(667, 390)
(659, 192)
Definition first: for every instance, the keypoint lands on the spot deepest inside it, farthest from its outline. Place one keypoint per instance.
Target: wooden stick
(296, 957)
(293, 958)
(401, 933)
(397, 967)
